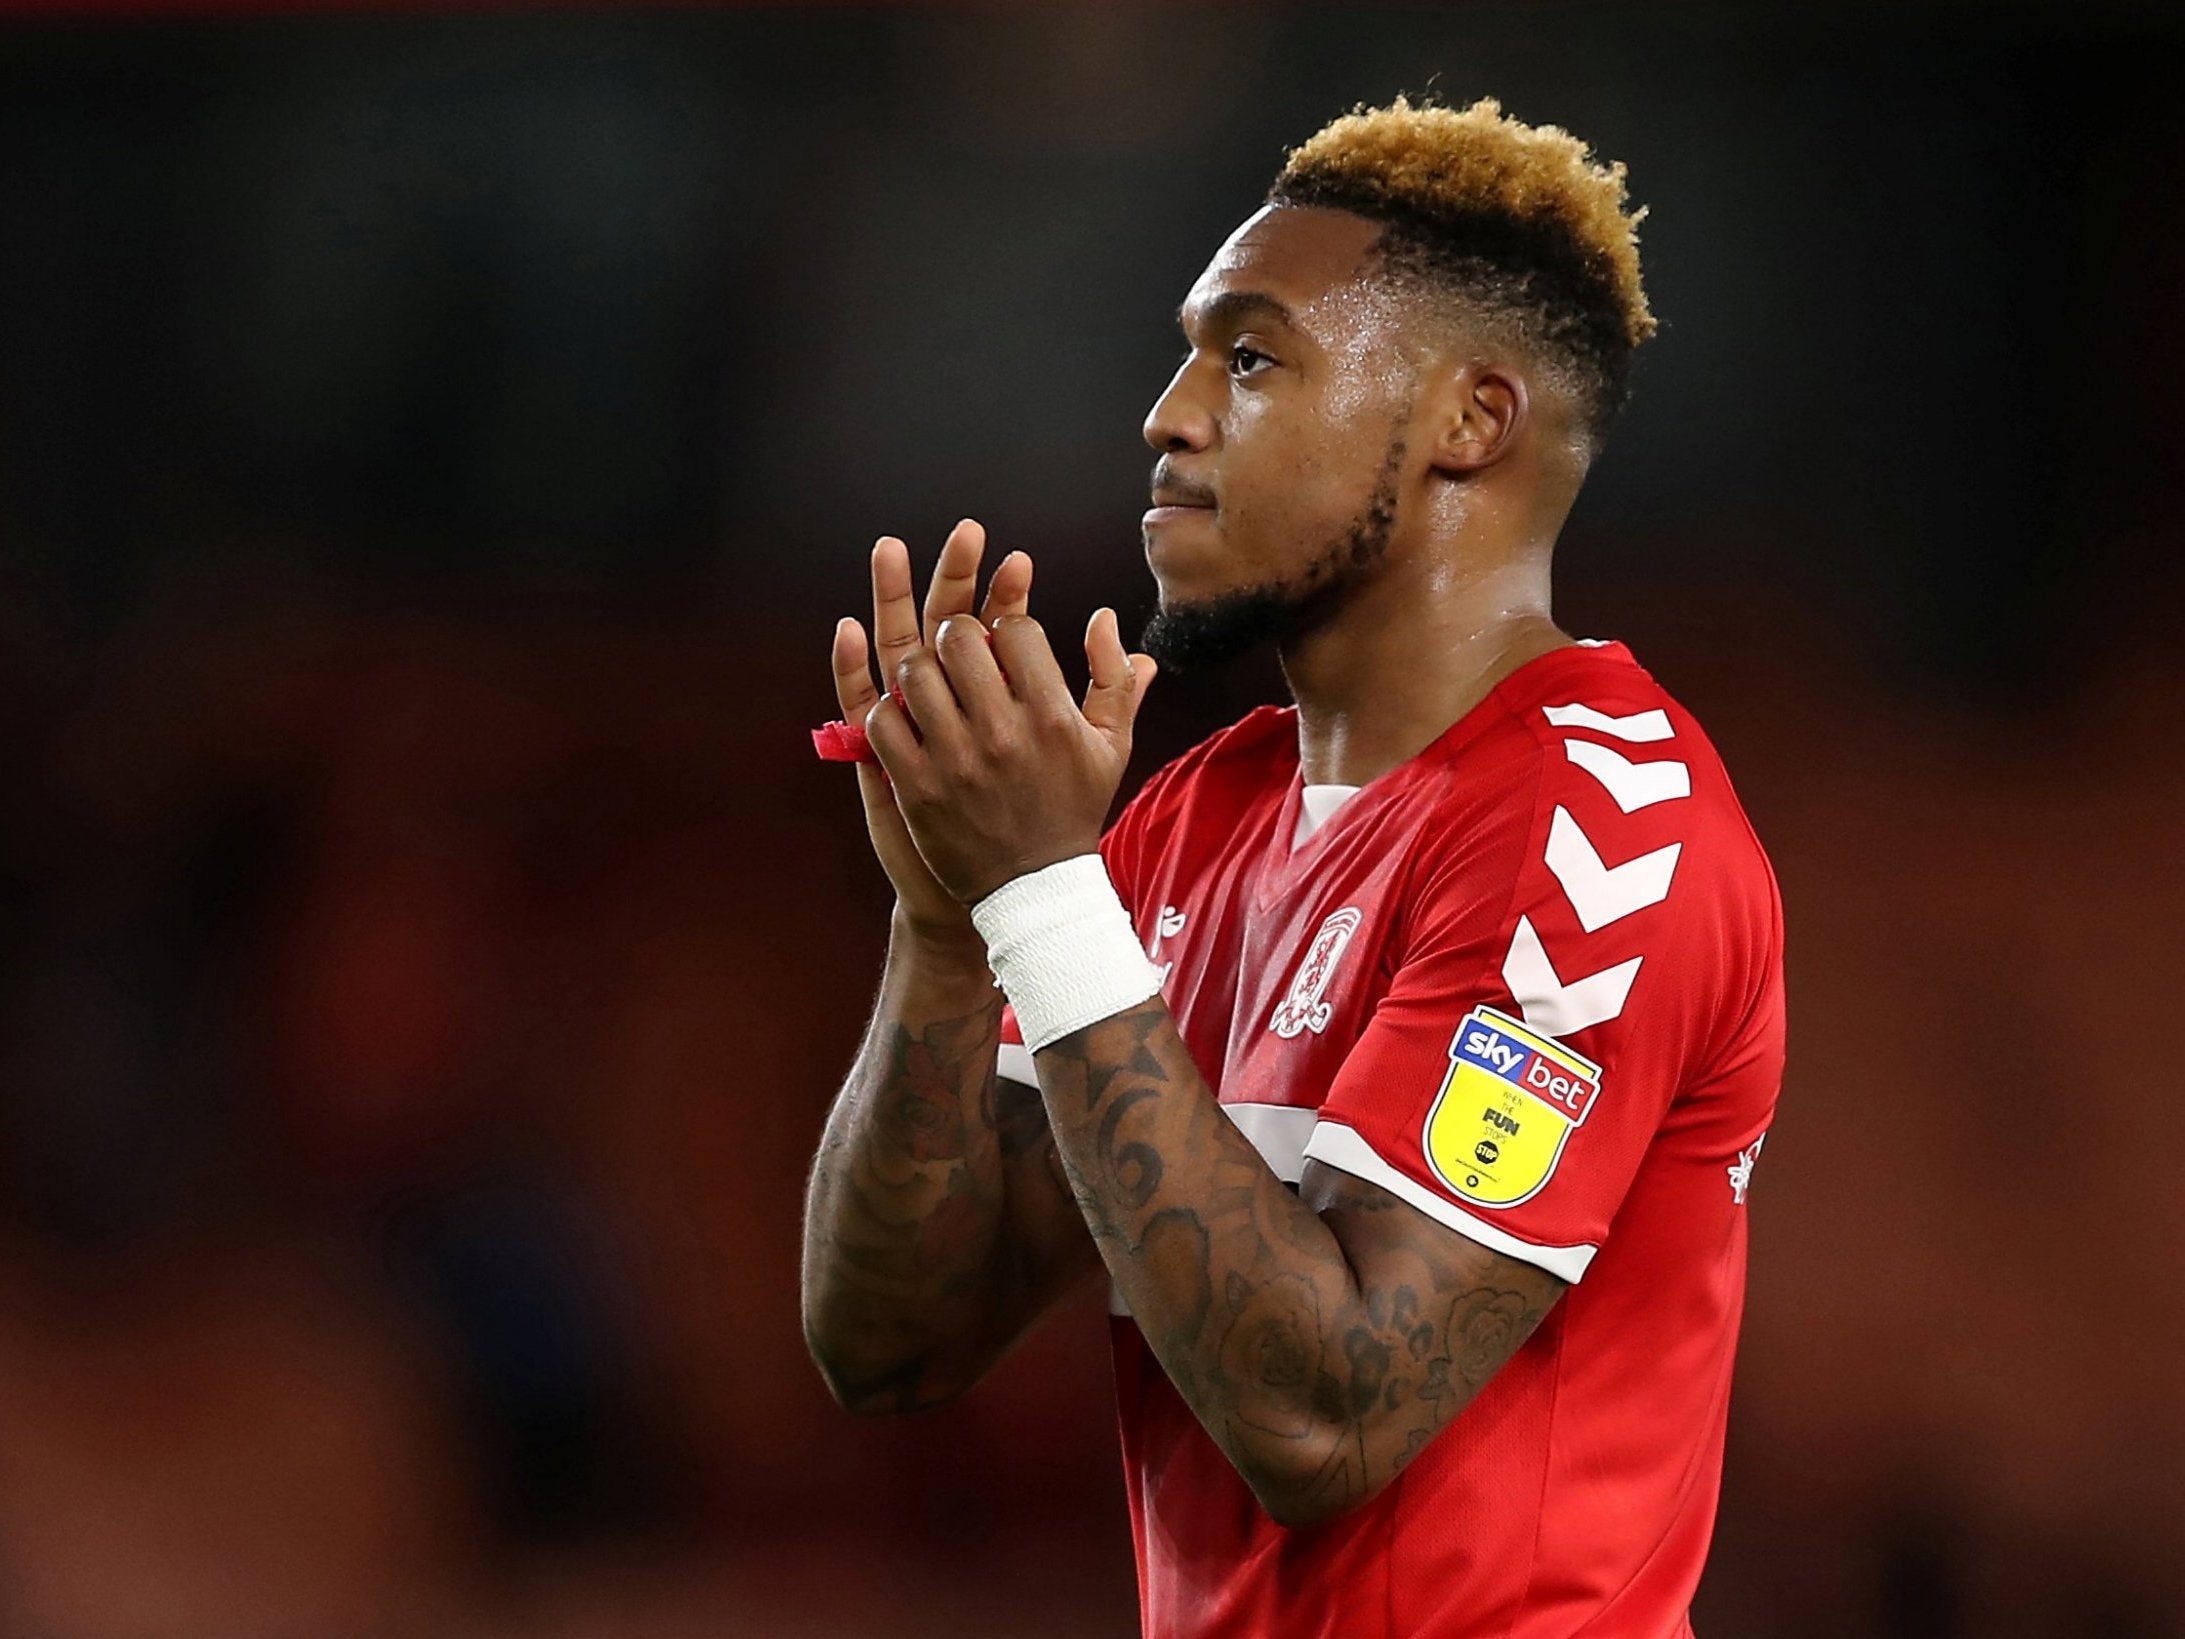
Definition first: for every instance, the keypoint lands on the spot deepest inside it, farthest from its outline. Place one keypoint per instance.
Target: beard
(1184, 636)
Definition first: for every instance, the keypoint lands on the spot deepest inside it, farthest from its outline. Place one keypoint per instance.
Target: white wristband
(1063, 950)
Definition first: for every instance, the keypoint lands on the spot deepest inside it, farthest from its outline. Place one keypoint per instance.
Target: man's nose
(1178, 421)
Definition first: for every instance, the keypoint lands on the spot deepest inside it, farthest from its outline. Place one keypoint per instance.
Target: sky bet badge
(1510, 1101)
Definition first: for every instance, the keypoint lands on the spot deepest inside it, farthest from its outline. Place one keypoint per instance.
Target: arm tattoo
(921, 1096)
(1017, 1116)
(914, 1255)
(1323, 1339)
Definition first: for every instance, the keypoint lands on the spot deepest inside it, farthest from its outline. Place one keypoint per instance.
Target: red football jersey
(1529, 981)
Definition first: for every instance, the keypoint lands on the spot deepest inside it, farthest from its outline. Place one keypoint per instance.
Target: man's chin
(1187, 635)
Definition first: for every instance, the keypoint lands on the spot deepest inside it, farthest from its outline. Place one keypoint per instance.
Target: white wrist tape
(1063, 950)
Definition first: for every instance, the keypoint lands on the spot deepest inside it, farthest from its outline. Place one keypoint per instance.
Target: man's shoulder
(1585, 743)
(1598, 689)
(1590, 715)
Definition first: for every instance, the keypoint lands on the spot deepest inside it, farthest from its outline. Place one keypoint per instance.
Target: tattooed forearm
(904, 1202)
(927, 1078)
(935, 1225)
(1017, 1116)
(1324, 1337)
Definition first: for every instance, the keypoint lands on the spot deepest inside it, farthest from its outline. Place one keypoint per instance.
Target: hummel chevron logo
(1633, 785)
(1550, 1005)
(1640, 725)
(1741, 1170)
(1599, 893)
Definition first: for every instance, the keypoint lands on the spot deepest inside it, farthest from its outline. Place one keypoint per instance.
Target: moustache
(1173, 489)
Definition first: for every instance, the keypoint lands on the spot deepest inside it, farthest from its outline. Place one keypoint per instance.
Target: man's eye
(1246, 361)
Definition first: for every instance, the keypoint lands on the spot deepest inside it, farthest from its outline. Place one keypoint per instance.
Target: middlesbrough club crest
(1302, 1009)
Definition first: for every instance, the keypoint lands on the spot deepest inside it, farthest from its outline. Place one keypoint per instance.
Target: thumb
(1119, 679)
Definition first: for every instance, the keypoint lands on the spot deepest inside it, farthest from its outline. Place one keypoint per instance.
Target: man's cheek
(1273, 534)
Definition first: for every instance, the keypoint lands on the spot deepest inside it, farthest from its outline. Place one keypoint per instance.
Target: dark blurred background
(433, 451)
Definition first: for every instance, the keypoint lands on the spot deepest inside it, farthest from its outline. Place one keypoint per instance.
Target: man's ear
(1481, 407)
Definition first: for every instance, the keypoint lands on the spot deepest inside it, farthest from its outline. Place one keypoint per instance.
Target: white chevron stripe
(1640, 725)
(1551, 1005)
(1599, 893)
(1633, 785)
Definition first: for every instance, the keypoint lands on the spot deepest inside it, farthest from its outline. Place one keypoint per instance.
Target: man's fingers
(969, 661)
(858, 698)
(1021, 646)
(888, 730)
(1119, 678)
(852, 659)
(955, 583)
(1010, 591)
(933, 709)
(894, 604)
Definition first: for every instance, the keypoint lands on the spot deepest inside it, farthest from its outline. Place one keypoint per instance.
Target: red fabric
(840, 742)
(1577, 1492)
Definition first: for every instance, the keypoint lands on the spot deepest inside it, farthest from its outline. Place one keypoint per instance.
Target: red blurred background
(433, 451)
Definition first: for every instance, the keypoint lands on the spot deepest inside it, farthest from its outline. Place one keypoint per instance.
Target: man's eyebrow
(1233, 308)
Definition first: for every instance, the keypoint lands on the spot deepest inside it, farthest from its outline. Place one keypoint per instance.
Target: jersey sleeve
(1559, 973)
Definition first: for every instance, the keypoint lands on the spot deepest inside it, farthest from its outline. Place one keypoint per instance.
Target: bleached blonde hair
(1520, 220)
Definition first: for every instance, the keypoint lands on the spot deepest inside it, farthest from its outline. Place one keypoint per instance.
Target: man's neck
(1408, 654)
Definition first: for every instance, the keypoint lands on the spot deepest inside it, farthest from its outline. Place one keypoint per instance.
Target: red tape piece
(840, 742)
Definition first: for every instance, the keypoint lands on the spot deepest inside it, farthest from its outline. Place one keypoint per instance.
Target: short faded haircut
(1517, 221)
